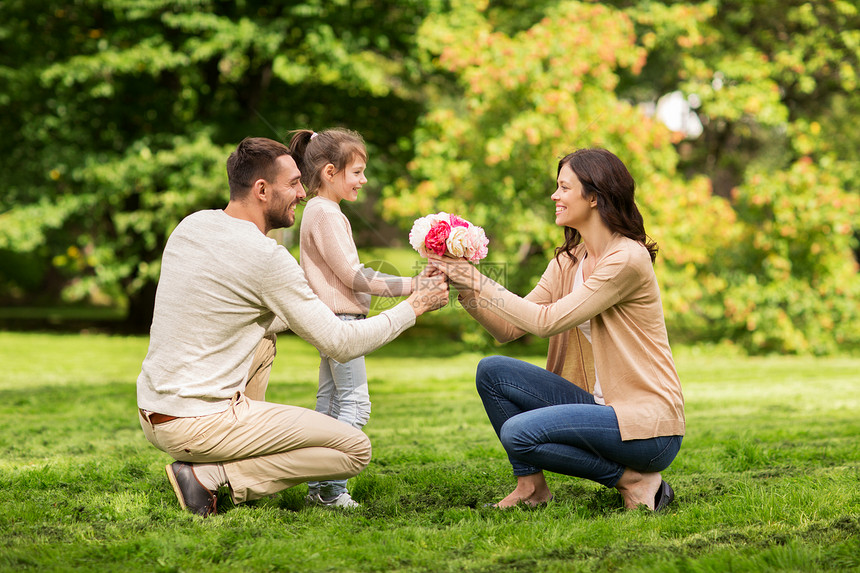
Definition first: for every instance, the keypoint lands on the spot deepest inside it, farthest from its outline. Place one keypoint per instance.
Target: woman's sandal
(664, 496)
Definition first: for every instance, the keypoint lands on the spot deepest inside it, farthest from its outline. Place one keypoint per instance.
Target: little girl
(332, 163)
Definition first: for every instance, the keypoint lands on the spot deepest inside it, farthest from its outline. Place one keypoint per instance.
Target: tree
(121, 114)
(519, 99)
(777, 83)
(489, 145)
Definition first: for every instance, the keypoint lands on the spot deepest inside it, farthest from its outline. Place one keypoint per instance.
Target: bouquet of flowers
(446, 234)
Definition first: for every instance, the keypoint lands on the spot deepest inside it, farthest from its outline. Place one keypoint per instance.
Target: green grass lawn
(768, 477)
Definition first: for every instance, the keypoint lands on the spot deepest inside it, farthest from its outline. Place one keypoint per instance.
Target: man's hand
(431, 292)
(428, 271)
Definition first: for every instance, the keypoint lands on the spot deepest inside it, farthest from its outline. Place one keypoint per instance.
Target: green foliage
(777, 85)
(119, 115)
(85, 491)
(796, 286)
(490, 150)
(520, 99)
(759, 69)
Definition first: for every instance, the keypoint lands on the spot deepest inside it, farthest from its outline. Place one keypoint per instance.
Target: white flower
(440, 216)
(457, 241)
(419, 231)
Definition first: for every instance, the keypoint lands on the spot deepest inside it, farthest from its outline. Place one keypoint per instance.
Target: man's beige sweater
(223, 286)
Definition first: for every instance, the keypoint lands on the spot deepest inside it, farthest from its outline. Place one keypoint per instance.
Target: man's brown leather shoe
(189, 491)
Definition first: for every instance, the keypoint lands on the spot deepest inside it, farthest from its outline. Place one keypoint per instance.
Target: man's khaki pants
(264, 447)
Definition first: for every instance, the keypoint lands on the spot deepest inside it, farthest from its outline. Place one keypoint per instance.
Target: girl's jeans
(547, 423)
(342, 394)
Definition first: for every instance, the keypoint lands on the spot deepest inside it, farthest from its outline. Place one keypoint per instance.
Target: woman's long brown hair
(606, 178)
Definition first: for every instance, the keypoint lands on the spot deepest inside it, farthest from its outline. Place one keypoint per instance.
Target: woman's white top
(585, 327)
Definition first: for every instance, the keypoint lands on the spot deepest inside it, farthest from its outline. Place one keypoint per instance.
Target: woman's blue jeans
(547, 423)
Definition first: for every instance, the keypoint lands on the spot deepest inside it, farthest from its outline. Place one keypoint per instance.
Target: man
(225, 290)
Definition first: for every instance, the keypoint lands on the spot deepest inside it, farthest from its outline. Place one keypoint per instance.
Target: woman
(621, 420)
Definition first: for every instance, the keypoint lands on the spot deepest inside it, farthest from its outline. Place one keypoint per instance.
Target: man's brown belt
(157, 418)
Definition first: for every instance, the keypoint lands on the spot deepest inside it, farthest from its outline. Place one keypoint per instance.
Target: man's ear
(260, 190)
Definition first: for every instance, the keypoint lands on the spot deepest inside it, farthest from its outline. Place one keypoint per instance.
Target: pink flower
(458, 222)
(436, 237)
(476, 243)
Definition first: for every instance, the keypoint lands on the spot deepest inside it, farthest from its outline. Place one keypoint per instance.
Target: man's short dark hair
(254, 158)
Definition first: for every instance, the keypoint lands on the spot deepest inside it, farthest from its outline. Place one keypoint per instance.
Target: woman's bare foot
(531, 490)
(638, 488)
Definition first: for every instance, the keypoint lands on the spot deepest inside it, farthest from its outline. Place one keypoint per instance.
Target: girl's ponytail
(298, 146)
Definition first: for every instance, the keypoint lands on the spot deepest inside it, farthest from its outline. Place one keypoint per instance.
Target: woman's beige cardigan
(630, 346)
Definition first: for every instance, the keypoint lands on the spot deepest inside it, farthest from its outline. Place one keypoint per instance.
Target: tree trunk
(140, 307)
